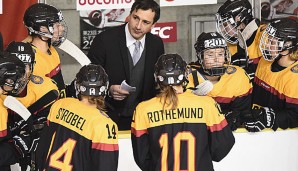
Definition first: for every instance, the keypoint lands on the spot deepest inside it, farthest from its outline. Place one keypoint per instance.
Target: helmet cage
(20, 85)
(272, 43)
(215, 71)
(213, 43)
(12, 74)
(227, 27)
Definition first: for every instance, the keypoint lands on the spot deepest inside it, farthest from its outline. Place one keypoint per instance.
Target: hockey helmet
(23, 51)
(92, 80)
(12, 73)
(230, 15)
(171, 69)
(280, 35)
(213, 42)
(40, 14)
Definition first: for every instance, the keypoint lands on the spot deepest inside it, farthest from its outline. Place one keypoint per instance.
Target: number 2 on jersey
(180, 136)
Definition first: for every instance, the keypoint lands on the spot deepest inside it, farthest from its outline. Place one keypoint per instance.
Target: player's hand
(25, 143)
(259, 119)
(18, 127)
(239, 59)
(233, 119)
(117, 93)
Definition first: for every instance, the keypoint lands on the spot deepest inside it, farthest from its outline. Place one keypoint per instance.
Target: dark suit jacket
(109, 50)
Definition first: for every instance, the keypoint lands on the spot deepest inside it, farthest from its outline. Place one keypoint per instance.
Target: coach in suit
(129, 52)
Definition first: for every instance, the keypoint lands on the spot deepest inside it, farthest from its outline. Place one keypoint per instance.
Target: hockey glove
(18, 127)
(25, 143)
(233, 120)
(260, 119)
(22, 144)
(203, 89)
(239, 59)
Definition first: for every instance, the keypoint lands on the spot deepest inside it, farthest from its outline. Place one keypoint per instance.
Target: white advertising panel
(103, 4)
(1, 6)
(185, 2)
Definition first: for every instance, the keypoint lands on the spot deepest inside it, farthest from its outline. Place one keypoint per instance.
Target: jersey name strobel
(71, 118)
(161, 115)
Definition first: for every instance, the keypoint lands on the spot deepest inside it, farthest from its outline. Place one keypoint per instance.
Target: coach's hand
(117, 93)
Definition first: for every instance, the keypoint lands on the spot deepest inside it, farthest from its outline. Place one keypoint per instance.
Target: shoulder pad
(36, 79)
(231, 70)
(295, 68)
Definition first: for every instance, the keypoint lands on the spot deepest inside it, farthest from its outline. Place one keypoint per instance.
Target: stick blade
(70, 48)
(13, 104)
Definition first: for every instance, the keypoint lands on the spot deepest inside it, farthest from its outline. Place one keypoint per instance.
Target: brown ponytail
(97, 100)
(168, 97)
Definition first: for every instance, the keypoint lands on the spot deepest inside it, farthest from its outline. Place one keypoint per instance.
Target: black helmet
(171, 69)
(226, 24)
(211, 40)
(92, 80)
(12, 72)
(23, 51)
(280, 35)
(40, 14)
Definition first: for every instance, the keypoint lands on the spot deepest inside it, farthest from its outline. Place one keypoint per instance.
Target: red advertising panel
(166, 31)
(12, 27)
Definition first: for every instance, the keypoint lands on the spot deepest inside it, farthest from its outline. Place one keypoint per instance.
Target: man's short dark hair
(146, 5)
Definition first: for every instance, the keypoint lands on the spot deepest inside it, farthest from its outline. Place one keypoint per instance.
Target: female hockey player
(275, 94)
(13, 145)
(34, 92)
(212, 75)
(237, 16)
(177, 130)
(47, 29)
(79, 129)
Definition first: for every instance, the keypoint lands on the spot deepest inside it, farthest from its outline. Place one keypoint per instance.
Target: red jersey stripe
(228, 99)
(105, 147)
(139, 133)
(54, 71)
(3, 133)
(218, 127)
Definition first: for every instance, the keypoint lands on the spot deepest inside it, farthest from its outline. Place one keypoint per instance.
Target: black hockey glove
(39, 123)
(239, 59)
(25, 143)
(18, 127)
(233, 119)
(260, 119)
(22, 144)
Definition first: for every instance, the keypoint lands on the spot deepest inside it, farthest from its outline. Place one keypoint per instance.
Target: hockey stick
(13, 104)
(242, 44)
(70, 48)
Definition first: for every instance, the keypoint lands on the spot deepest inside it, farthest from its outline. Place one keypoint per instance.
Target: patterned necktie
(136, 53)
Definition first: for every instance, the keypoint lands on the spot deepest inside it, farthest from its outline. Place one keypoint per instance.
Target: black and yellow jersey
(233, 90)
(186, 138)
(277, 90)
(85, 136)
(232, 48)
(35, 90)
(49, 65)
(3, 120)
(253, 49)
